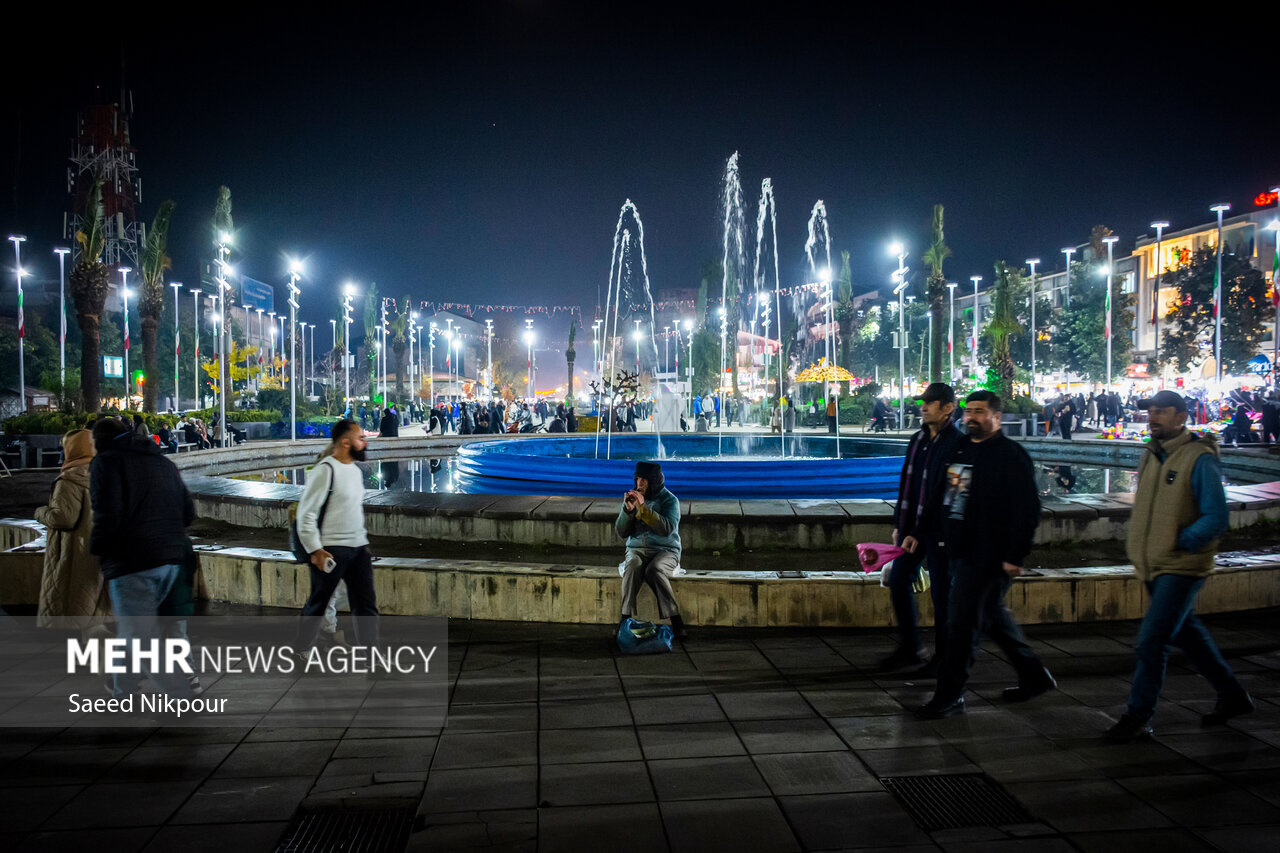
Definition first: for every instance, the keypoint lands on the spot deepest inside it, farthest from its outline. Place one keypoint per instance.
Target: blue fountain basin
(738, 466)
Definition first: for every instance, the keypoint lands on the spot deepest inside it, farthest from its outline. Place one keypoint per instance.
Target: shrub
(59, 423)
(240, 416)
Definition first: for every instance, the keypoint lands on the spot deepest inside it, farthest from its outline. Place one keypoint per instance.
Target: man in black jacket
(140, 511)
(389, 426)
(917, 527)
(992, 510)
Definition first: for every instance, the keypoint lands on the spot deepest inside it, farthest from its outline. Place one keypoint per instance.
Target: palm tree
(399, 343)
(1003, 324)
(89, 282)
(151, 302)
(935, 289)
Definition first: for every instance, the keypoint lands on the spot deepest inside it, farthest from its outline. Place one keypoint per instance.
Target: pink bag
(874, 556)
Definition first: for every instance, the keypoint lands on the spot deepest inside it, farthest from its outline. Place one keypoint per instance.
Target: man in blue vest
(1179, 512)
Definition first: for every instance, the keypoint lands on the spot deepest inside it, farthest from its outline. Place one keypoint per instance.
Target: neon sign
(1264, 199)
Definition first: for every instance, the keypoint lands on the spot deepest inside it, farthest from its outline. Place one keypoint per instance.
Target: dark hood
(652, 472)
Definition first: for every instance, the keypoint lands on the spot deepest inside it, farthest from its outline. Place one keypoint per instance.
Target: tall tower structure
(102, 151)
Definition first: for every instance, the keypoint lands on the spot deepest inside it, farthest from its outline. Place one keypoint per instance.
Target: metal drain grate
(348, 831)
(950, 802)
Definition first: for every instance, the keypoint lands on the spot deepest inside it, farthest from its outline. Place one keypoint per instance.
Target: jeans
(901, 576)
(355, 566)
(1171, 620)
(329, 623)
(136, 599)
(976, 606)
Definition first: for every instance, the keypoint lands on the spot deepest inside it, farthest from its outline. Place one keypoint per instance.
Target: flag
(1106, 334)
(1275, 275)
(22, 325)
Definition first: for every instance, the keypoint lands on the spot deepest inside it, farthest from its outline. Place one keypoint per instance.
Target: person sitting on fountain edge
(650, 520)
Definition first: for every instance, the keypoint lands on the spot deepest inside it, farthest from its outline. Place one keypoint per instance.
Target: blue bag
(643, 638)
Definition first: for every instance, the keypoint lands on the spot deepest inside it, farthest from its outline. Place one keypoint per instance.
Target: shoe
(901, 659)
(337, 639)
(1026, 692)
(1231, 705)
(936, 709)
(678, 629)
(1129, 729)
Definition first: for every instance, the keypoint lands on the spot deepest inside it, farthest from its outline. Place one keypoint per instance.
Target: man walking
(992, 510)
(1179, 511)
(339, 546)
(140, 511)
(1066, 414)
(917, 526)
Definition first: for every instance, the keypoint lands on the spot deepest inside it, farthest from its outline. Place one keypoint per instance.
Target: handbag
(643, 638)
(301, 554)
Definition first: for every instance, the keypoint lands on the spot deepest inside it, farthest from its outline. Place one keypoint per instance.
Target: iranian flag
(1275, 277)
(1217, 292)
(22, 325)
(1106, 334)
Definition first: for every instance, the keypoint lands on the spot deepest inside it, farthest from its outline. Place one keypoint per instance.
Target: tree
(936, 289)
(400, 342)
(846, 312)
(704, 358)
(1004, 325)
(89, 280)
(240, 356)
(372, 320)
(1189, 329)
(155, 262)
(1081, 341)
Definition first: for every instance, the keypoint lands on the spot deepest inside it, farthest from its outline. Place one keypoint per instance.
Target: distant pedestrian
(389, 427)
(1179, 511)
(993, 509)
(1066, 415)
(1271, 418)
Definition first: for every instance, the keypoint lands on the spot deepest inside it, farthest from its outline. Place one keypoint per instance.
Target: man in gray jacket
(650, 520)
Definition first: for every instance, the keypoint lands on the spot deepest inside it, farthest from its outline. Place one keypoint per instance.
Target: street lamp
(177, 287)
(666, 347)
(17, 241)
(1033, 262)
(347, 292)
(62, 314)
(295, 272)
(195, 322)
(688, 327)
(224, 366)
(900, 279)
(951, 329)
(431, 358)
(636, 336)
(488, 336)
(1111, 242)
(974, 344)
(1217, 297)
(1066, 304)
(124, 295)
(1155, 291)
(1275, 300)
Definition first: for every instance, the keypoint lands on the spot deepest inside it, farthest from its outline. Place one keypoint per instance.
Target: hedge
(240, 416)
(60, 423)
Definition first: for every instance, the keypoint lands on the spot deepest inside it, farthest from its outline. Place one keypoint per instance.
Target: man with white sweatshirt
(331, 528)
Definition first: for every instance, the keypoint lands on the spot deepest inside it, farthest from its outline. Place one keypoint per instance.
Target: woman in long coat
(72, 591)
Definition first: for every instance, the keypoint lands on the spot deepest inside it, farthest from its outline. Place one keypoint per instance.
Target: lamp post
(666, 347)
(528, 340)
(1111, 242)
(1217, 297)
(431, 358)
(413, 329)
(347, 292)
(1155, 292)
(688, 327)
(724, 333)
(1275, 300)
(177, 348)
(295, 272)
(224, 251)
(974, 343)
(1033, 262)
(124, 295)
(62, 314)
(195, 322)
(488, 330)
(636, 336)
(1066, 304)
(17, 241)
(271, 339)
(951, 330)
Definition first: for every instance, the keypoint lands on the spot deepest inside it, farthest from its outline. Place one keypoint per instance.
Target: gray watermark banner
(240, 670)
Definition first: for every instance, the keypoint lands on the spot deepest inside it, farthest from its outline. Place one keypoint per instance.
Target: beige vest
(1164, 505)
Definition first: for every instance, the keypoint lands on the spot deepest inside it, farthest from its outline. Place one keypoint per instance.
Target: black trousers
(901, 575)
(1064, 425)
(355, 566)
(976, 607)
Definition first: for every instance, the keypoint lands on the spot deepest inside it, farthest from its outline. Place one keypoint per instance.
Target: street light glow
(895, 248)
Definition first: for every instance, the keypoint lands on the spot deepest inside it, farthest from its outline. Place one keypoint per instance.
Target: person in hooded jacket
(389, 426)
(72, 592)
(649, 521)
(141, 509)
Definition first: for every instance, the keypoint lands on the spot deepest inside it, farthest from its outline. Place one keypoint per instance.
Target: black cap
(939, 392)
(1164, 400)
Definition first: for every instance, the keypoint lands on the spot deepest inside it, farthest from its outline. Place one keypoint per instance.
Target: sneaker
(936, 708)
(1026, 692)
(1231, 705)
(1129, 729)
(901, 659)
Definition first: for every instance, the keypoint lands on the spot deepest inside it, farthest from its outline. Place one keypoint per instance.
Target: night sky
(482, 155)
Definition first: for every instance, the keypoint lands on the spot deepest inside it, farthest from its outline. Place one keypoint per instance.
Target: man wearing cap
(918, 528)
(1179, 511)
(650, 520)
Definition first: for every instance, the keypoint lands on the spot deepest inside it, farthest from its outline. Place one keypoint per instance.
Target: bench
(41, 452)
(185, 445)
(1010, 423)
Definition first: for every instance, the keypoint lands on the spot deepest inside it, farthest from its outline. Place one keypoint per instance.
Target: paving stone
(488, 749)
(764, 704)
(837, 821)
(76, 841)
(706, 778)
(689, 740)
(811, 734)
(596, 783)
(507, 830)
(747, 824)
(587, 713)
(1081, 806)
(626, 826)
(1201, 800)
(1164, 840)
(100, 805)
(277, 759)
(656, 710)
(218, 838)
(480, 789)
(24, 809)
(816, 773)
(578, 746)
(244, 800)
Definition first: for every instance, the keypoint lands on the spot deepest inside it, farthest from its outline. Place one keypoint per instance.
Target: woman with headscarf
(72, 591)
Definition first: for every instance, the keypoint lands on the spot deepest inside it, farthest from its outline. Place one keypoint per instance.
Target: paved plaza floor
(737, 741)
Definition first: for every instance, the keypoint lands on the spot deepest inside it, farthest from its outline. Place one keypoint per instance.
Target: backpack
(300, 554)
